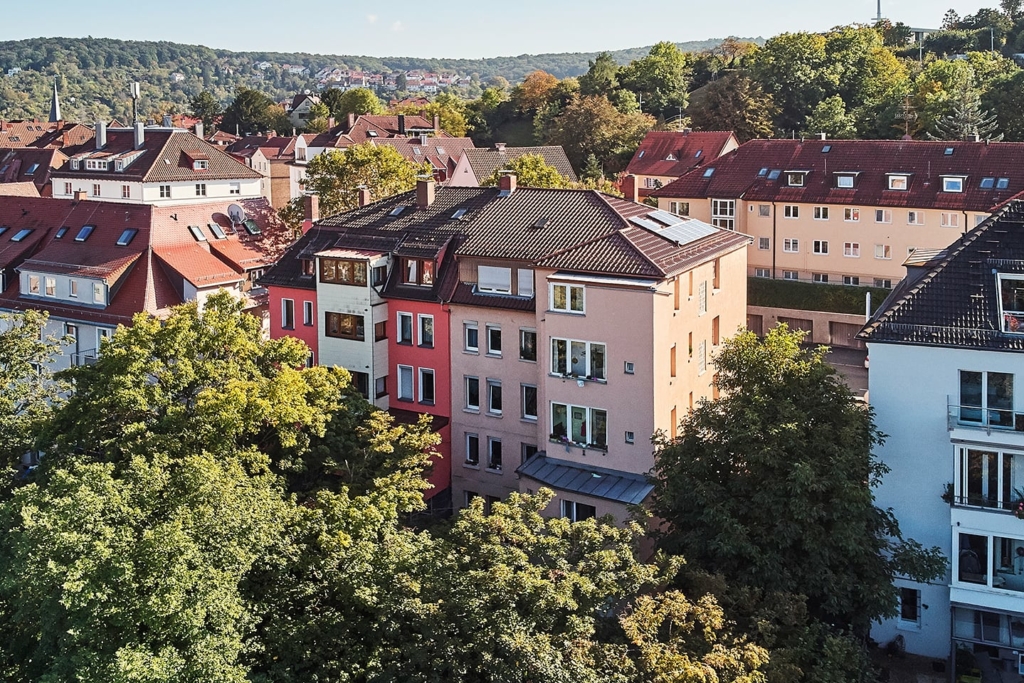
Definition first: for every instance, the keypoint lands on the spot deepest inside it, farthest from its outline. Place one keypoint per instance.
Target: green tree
(28, 391)
(318, 118)
(205, 106)
(253, 112)
(771, 486)
(1005, 99)
(792, 68)
(592, 125)
(734, 103)
(333, 99)
(531, 171)
(661, 79)
(1013, 9)
(592, 169)
(450, 110)
(966, 120)
(357, 101)
(338, 175)
(602, 78)
(534, 92)
(830, 117)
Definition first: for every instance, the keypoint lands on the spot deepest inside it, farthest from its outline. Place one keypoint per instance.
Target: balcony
(986, 419)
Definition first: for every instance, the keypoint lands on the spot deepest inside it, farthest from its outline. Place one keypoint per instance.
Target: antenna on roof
(136, 91)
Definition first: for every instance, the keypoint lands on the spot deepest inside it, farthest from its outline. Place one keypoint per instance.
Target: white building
(947, 350)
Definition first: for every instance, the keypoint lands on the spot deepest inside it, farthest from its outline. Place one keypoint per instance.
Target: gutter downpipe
(775, 246)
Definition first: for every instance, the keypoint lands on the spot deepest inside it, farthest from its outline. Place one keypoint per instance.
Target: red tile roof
(366, 128)
(747, 173)
(30, 165)
(671, 153)
(42, 135)
(276, 149)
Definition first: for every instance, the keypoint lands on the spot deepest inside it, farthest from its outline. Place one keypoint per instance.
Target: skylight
(440, 151)
(84, 233)
(21, 234)
(774, 175)
(32, 169)
(697, 155)
(762, 173)
(1002, 183)
(708, 173)
(948, 152)
(252, 227)
(197, 232)
(459, 213)
(397, 211)
(3, 229)
(987, 183)
(371, 133)
(61, 232)
(641, 154)
(126, 237)
(217, 231)
(826, 149)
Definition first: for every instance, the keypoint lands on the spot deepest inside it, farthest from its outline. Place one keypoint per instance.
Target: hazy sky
(455, 28)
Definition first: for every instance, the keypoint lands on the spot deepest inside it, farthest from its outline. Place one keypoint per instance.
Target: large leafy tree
(602, 78)
(736, 103)
(337, 175)
(356, 101)
(253, 112)
(966, 119)
(531, 171)
(792, 67)
(830, 117)
(771, 486)
(661, 79)
(592, 125)
(205, 106)
(534, 92)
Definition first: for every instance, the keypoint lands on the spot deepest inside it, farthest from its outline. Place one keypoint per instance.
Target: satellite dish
(236, 214)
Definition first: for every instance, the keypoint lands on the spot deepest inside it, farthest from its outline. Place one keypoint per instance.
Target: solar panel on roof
(687, 232)
(665, 217)
(644, 223)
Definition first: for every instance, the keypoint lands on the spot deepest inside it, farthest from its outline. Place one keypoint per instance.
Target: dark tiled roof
(599, 482)
(736, 175)
(671, 153)
(485, 162)
(951, 299)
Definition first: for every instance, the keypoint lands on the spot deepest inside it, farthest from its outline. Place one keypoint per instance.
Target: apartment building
(947, 358)
(847, 211)
(665, 155)
(549, 333)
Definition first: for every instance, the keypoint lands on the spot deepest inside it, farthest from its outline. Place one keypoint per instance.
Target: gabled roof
(440, 153)
(671, 153)
(29, 165)
(367, 127)
(166, 156)
(277, 148)
(747, 173)
(950, 298)
(485, 162)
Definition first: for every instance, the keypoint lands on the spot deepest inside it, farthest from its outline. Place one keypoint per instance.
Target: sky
(459, 28)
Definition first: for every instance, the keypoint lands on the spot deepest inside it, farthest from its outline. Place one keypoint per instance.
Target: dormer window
(671, 157)
(899, 182)
(494, 280)
(74, 164)
(1011, 297)
(96, 165)
(796, 178)
(952, 183)
(845, 181)
(417, 271)
(200, 165)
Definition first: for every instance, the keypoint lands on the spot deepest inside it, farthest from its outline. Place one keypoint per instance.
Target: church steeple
(55, 104)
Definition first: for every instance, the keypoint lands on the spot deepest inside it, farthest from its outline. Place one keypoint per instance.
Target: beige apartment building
(847, 211)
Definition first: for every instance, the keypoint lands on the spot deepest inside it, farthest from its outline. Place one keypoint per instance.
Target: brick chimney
(437, 124)
(507, 183)
(364, 196)
(424, 193)
(79, 195)
(351, 119)
(311, 207)
(401, 125)
(630, 189)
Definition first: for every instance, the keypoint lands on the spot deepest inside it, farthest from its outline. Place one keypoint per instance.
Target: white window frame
(764, 210)
(287, 312)
(524, 282)
(953, 184)
(844, 182)
(949, 219)
(466, 327)
(819, 278)
(791, 275)
(819, 247)
(423, 372)
(420, 320)
(679, 208)
(762, 272)
(851, 249)
(568, 298)
(491, 351)
(899, 182)
(905, 623)
(399, 338)
(851, 215)
(791, 211)
(883, 252)
(307, 313)
(494, 384)
(467, 380)
(851, 280)
(915, 218)
(821, 213)
(883, 215)
(99, 293)
(588, 359)
(723, 213)
(702, 298)
(522, 402)
(590, 421)
(471, 437)
(412, 389)
(764, 243)
(494, 279)
(702, 357)
(491, 441)
(791, 245)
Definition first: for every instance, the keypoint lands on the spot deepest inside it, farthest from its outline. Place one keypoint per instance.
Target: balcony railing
(83, 358)
(989, 419)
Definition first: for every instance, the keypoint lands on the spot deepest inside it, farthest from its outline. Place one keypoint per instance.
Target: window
(426, 386)
(630, 437)
(126, 192)
(715, 327)
(883, 283)
(672, 361)
(653, 183)
(525, 282)
(851, 215)
(979, 218)
(361, 381)
(235, 188)
(899, 182)
(577, 512)
(844, 182)
(702, 298)
(98, 293)
(764, 243)
(471, 336)
(165, 192)
(723, 213)
(910, 607)
(790, 275)
(762, 272)
(495, 280)
(702, 357)
(774, 174)
(67, 188)
(307, 313)
(819, 278)
(949, 219)
(379, 274)
(33, 284)
(101, 334)
(526, 451)
(987, 183)
(405, 328)
(197, 233)
(493, 340)
(716, 270)
(1011, 290)
(795, 179)
(528, 345)
(883, 251)
(343, 272)
(472, 393)
(51, 286)
(629, 367)
(574, 358)
(708, 173)
(986, 398)
(22, 234)
(529, 401)
(73, 288)
(820, 247)
(426, 331)
(679, 208)
(883, 216)
(71, 330)
(821, 213)
(582, 426)
(345, 326)
(915, 218)
(494, 396)
(472, 449)
(791, 211)
(952, 184)
(851, 280)
(764, 210)
(126, 237)
(791, 246)
(380, 387)
(493, 454)
(405, 383)
(988, 477)
(380, 331)
(84, 233)
(218, 232)
(567, 298)
(1002, 183)
(200, 165)
(851, 249)
(200, 189)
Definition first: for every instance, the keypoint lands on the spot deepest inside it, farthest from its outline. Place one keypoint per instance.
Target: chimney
(437, 124)
(79, 195)
(974, 137)
(351, 119)
(199, 130)
(140, 135)
(167, 121)
(687, 131)
(364, 196)
(630, 189)
(401, 124)
(311, 207)
(424, 193)
(507, 183)
(101, 134)
(823, 136)
(500, 147)
(330, 123)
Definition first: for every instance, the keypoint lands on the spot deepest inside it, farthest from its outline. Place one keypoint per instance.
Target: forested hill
(95, 72)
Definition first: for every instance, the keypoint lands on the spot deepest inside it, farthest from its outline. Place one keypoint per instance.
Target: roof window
(3, 229)
(845, 181)
(948, 152)
(899, 182)
(987, 183)
(1002, 183)
(796, 178)
(84, 233)
(774, 174)
(217, 231)
(251, 226)
(698, 153)
(826, 149)
(197, 232)
(21, 234)
(541, 223)
(200, 165)
(459, 213)
(32, 169)
(709, 172)
(371, 133)
(61, 232)
(641, 154)
(762, 173)
(397, 211)
(126, 237)
(416, 151)
(952, 184)
(440, 151)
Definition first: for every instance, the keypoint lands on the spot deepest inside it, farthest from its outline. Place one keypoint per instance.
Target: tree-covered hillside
(94, 73)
